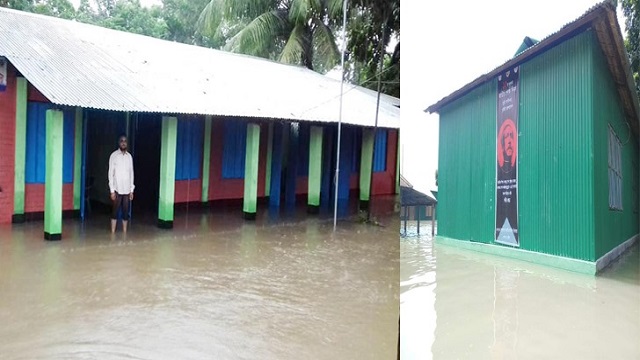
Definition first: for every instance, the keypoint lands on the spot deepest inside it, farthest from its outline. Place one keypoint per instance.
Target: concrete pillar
(252, 159)
(315, 169)
(328, 171)
(267, 177)
(53, 175)
(77, 159)
(20, 150)
(292, 167)
(366, 166)
(398, 163)
(277, 150)
(346, 163)
(206, 159)
(168, 143)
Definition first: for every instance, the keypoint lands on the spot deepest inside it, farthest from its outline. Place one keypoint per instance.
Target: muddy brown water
(458, 304)
(215, 287)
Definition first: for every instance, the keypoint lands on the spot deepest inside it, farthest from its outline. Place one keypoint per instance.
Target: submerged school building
(203, 125)
(538, 158)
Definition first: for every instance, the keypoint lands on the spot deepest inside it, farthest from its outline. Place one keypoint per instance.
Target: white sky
(447, 44)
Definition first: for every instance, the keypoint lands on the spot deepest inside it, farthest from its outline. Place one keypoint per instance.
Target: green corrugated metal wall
(555, 150)
(556, 157)
(467, 168)
(612, 227)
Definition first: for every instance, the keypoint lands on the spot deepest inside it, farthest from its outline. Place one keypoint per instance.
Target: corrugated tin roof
(601, 17)
(413, 197)
(88, 66)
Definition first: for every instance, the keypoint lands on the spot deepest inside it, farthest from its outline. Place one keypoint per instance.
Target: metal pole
(375, 126)
(344, 45)
(406, 215)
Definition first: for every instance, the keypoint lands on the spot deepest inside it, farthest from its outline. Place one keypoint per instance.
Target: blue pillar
(292, 166)
(83, 175)
(328, 168)
(346, 162)
(276, 165)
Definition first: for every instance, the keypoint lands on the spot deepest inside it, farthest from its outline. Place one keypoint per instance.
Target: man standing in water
(121, 183)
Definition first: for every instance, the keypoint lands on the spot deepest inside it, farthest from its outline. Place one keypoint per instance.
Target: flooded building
(538, 158)
(204, 126)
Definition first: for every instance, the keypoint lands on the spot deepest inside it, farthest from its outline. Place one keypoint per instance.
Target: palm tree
(290, 31)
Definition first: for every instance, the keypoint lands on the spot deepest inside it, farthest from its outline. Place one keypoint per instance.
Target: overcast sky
(447, 44)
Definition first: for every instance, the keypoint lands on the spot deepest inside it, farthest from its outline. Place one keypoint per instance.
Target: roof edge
(582, 23)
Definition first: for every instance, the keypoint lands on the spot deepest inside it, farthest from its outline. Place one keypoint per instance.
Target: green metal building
(573, 202)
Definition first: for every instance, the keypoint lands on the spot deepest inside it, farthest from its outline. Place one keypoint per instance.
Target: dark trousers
(121, 202)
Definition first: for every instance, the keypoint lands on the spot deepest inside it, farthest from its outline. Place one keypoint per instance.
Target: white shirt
(121, 172)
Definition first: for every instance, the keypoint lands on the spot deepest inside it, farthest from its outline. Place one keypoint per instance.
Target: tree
(181, 17)
(130, 16)
(373, 25)
(24, 5)
(631, 11)
(291, 31)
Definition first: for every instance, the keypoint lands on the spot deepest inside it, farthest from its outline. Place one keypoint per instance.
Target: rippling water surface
(458, 304)
(215, 287)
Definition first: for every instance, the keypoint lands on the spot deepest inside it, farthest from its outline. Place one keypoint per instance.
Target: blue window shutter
(380, 153)
(180, 145)
(196, 142)
(68, 144)
(34, 172)
(189, 148)
(37, 140)
(234, 149)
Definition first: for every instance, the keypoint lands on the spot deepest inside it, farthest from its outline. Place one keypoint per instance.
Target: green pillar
(251, 172)
(53, 175)
(167, 171)
(366, 166)
(77, 160)
(267, 180)
(206, 157)
(315, 169)
(20, 150)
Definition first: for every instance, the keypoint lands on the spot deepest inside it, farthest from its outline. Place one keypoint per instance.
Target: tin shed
(538, 158)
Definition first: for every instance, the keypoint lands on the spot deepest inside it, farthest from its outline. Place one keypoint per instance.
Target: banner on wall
(3, 74)
(507, 159)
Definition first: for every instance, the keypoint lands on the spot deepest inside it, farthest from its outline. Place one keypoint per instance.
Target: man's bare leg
(113, 225)
(124, 226)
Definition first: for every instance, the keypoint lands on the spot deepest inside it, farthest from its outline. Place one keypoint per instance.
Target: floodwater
(215, 287)
(458, 304)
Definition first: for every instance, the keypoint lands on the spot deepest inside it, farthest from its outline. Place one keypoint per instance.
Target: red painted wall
(34, 95)
(221, 189)
(34, 197)
(384, 183)
(188, 191)
(7, 145)
(34, 193)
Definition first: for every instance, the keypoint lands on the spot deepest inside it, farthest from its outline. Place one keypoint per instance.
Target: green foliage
(631, 11)
(130, 16)
(373, 25)
(181, 17)
(291, 31)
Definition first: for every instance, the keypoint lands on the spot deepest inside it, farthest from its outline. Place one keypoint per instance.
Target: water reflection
(462, 304)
